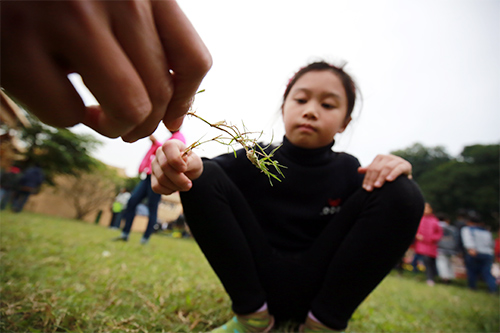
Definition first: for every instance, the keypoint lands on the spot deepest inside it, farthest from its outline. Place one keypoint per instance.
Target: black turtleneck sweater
(293, 212)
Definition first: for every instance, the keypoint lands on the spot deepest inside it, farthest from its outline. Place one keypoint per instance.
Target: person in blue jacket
(30, 182)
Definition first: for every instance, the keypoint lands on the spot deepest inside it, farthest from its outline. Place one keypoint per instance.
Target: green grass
(61, 275)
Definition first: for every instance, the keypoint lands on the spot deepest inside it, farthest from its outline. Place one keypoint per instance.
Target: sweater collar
(304, 156)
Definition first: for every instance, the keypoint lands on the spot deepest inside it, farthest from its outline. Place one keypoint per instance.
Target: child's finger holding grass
(168, 169)
(172, 170)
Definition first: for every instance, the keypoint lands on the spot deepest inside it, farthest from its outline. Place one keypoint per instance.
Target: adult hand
(384, 168)
(172, 170)
(142, 60)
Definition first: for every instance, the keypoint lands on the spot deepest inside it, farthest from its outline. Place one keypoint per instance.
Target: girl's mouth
(306, 128)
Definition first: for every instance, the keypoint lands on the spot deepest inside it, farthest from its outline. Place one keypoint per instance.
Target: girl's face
(427, 209)
(315, 110)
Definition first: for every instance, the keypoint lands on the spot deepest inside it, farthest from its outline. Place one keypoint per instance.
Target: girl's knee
(403, 200)
(405, 192)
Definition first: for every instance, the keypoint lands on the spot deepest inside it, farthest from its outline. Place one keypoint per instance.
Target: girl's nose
(310, 113)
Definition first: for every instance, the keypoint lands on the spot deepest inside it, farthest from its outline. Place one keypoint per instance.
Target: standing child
(478, 241)
(428, 235)
(143, 190)
(447, 249)
(29, 183)
(312, 247)
(118, 208)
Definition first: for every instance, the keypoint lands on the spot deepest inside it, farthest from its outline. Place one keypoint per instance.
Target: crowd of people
(439, 244)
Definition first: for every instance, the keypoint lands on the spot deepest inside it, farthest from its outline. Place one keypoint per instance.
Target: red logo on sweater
(334, 203)
(332, 208)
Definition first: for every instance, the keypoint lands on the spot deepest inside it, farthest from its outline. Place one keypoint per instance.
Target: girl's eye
(328, 106)
(301, 100)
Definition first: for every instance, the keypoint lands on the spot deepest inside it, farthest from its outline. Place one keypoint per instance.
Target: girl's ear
(346, 122)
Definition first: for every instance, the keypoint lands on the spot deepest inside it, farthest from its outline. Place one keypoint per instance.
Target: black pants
(430, 267)
(347, 261)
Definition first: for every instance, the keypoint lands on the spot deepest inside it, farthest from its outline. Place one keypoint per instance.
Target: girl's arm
(384, 168)
(174, 171)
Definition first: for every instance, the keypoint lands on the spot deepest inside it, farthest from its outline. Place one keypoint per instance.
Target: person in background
(143, 190)
(29, 183)
(118, 208)
(8, 183)
(447, 248)
(478, 243)
(496, 263)
(497, 249)
(428, 235)
(460, 222)
(142, 60)
(417, 260)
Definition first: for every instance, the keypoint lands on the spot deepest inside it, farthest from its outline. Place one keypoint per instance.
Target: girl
(312, 247)
(426, 242)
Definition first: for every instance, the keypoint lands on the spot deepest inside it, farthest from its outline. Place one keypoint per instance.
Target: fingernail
(127, 139)
(175, 125)
(377, 184)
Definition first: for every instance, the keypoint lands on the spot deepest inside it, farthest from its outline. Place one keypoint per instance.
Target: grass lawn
(60, 275)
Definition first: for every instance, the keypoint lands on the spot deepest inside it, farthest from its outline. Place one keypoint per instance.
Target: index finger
(112, 78)
(173, 151)
(188, 57)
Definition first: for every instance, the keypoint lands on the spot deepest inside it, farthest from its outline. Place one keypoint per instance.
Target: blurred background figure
(478, 242)
(460, 222)
(447, 248)
(143, 190)
(428, 235)
(29, 183)
(8, 183)
(118, 208)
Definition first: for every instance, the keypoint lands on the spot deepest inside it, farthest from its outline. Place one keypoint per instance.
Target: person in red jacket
(428, 235)
(143, 190)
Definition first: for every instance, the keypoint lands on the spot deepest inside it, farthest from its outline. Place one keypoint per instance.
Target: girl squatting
(312, 247)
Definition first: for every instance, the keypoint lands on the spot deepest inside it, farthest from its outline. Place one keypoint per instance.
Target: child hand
(172, 170)
(384, 168)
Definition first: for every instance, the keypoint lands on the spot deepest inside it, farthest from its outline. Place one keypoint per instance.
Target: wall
(50, 202)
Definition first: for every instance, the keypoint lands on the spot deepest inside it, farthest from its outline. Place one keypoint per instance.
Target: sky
(428, 72)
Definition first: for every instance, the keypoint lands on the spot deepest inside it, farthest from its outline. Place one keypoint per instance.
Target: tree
(423, 158)
(89, 190)
(470, 181)
(58, 151)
